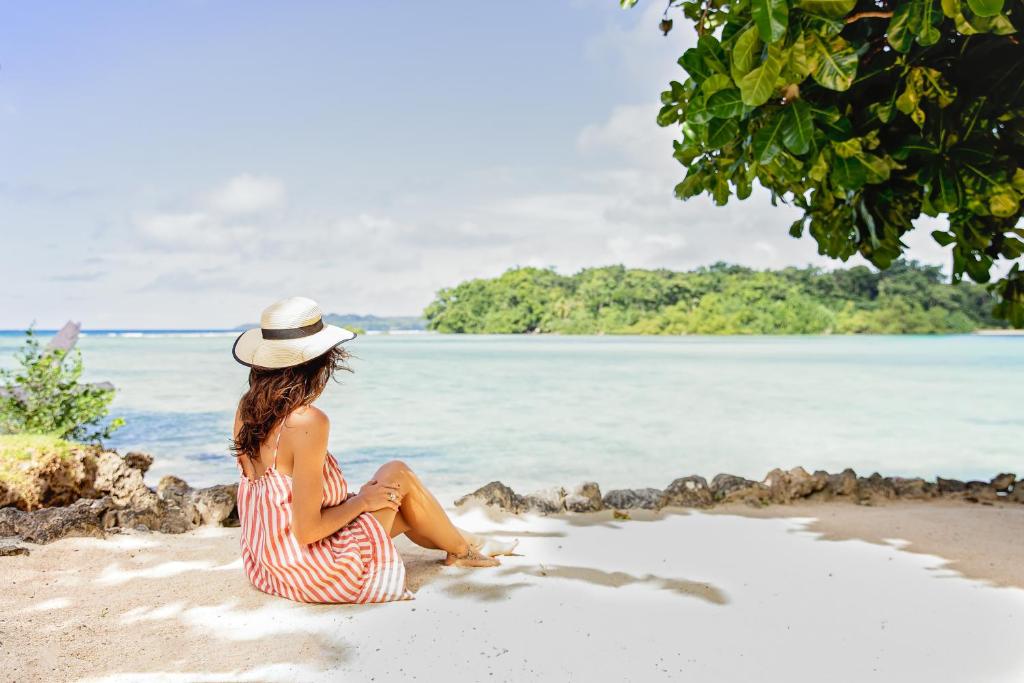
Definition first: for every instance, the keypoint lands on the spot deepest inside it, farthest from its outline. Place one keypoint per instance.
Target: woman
(305, 536)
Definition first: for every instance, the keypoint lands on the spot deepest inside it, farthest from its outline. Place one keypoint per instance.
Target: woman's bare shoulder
(309, 417)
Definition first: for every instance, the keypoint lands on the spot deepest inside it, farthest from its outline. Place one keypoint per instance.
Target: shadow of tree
(598, 577)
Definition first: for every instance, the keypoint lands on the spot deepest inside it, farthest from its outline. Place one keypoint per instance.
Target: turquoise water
(624, 411)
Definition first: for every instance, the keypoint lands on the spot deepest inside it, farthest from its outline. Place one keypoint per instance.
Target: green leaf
(876, 168)
(838, 129)
(835, 63)
(798, 66)
(694, 64)
(771, 18)
(1004, 202)
(946, 198)
(712, 53)
(767, 140)
(668, 115)
(986, 8)
(903, 26)
(721, 132)
(758, 85)
(1018, 180)
(626, 4)
(849, 174)
(725, 104)
(943, 238)
(799, 129)
(819, 169)
(833, 9)
(714, 83)
(745, 52)
(696, 112)
(927, 33)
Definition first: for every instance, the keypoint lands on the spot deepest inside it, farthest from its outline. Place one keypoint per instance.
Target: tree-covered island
(908, 298)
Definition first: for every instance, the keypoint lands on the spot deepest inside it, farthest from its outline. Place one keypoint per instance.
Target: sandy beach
(908, 592)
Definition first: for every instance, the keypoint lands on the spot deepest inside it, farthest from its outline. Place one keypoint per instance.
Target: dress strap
(277, 444)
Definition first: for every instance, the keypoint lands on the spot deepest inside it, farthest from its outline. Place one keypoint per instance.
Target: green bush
(43, 396)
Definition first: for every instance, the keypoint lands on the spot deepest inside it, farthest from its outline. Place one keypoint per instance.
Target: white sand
(681, 597)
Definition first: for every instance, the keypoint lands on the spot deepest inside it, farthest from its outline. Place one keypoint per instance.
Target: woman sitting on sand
(305, 536)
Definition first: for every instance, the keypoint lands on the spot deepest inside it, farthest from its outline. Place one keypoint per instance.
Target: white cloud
(247, 194)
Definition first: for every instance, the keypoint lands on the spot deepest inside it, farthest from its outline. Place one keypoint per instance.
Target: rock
(946, 486)
(981, 492)
(210, 505)
(1017, 494)
(138, 461)
(49, 478)
(784, 487)
(173, 488)
(728, 488)
(216, 504)
(842, 484)
(164, 516)
(689, 492)
(585, 498)
(122, 482)
(875, 489)
(913, 489)
(8, 495)
(10, 547)
(546, 501)
(630, 499)
(1003, 482)
(84, 517)
(724, 484)
(496, 494)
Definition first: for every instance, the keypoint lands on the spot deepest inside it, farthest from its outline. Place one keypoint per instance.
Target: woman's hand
(376, 495)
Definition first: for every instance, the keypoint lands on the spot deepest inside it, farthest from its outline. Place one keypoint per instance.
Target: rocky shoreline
(778, 487)
(91, 492)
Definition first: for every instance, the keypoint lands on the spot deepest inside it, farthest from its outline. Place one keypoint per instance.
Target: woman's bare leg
(425, 518)
(490, 547)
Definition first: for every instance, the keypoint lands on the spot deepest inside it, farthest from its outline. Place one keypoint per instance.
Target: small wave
(157, 335)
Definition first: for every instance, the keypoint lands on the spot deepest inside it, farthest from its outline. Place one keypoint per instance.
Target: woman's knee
(396, 471)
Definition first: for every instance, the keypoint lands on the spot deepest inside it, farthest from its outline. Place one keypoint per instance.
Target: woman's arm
(310, 522)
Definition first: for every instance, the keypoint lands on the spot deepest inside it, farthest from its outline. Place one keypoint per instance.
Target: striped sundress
(358, 563)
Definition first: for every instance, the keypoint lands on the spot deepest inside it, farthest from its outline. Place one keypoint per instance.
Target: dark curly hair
(275, 393)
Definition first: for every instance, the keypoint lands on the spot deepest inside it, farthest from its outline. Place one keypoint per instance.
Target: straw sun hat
(291, 332)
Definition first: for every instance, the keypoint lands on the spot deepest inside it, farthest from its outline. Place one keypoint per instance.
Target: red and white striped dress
(357, 563)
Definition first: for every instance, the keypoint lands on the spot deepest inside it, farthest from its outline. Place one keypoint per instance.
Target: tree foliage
(722, 299)
(865, 114)
(44, 396)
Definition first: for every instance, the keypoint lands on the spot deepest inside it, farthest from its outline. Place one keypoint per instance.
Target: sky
(184, 164)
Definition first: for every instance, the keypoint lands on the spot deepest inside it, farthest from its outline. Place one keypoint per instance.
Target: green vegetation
(865, 114)
(44, 396)
(905, 299)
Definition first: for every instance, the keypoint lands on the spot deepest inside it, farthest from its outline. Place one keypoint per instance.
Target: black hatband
(294, 332)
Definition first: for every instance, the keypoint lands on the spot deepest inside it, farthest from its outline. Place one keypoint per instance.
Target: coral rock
(633, 499)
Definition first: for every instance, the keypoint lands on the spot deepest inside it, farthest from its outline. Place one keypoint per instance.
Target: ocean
(538, 411)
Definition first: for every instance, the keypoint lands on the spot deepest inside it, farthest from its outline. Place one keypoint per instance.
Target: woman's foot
(493, 547)
(470, 558)
(489, 546)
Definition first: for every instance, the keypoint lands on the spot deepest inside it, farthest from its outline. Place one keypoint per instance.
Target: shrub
(43, 395)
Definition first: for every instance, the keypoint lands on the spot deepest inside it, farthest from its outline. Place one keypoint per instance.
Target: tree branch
(880, 14)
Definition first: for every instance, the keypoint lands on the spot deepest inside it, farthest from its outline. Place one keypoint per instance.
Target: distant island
(722, 299)
(369, 323)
